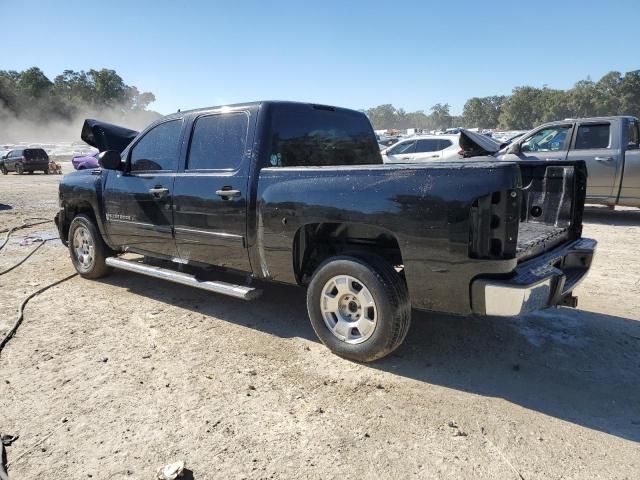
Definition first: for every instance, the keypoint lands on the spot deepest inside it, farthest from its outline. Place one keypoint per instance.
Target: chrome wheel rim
(348, 309)
(83, 247)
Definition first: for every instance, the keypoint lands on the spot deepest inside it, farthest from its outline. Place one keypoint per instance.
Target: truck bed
(535, 238)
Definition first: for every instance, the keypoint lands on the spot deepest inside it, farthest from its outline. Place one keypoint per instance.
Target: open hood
(477, 145)
(106, 136)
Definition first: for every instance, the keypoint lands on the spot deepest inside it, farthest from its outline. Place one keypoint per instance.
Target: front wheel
(4, 170)
(359, 307)
(87, 248)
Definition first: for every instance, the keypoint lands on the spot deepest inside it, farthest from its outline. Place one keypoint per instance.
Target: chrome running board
(230, 289)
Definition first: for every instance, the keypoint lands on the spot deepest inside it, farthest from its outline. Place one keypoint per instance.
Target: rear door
(595, 143)
(211, 191)
(630, 188)
(139, 201)
(428, 149)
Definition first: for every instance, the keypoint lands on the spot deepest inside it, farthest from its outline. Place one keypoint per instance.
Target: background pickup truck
(609, 145)
(297, 193)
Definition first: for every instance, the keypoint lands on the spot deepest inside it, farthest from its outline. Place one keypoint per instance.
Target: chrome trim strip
(229, 237)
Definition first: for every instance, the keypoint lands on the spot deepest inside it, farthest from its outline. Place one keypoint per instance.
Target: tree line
(614, 94)
(30, 96)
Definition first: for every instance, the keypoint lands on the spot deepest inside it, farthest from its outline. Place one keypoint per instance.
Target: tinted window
(592, 136)
(158, 149)
(218, 141)
(444, 144)
(547, 140)
(428, 145)
(35, 153)
(634, 138)
(403, 147)
(305, 135)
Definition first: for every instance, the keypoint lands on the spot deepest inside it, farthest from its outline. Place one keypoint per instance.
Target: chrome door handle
(159, 192)
(226, 194)
(604, 159)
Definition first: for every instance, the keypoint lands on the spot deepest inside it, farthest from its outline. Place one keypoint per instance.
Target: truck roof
(260, 103)
(588, 119)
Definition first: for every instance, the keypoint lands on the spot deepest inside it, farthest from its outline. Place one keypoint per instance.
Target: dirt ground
(111, 379)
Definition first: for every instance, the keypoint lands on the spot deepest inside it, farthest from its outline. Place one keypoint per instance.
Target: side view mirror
(110, 160)
(514, 148)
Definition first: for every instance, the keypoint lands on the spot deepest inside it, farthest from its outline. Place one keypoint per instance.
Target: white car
(424, 148)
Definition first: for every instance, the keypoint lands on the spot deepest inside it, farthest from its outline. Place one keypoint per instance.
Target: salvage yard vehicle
(423, 148)
(609, 145)
(25, 160)
(298, 193)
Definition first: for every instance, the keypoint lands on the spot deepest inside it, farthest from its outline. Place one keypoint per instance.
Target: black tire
(46, 172)
(30, 172)
(393, 308)
(95, 267)
(4, 170)
(19, 169)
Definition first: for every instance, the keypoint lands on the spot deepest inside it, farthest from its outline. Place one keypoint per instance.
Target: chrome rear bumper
(543, 281)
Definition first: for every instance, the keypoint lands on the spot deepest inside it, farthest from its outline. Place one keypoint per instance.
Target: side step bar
(230, 289)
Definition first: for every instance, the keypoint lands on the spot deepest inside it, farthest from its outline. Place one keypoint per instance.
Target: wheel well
(70, 213)
(313, 243)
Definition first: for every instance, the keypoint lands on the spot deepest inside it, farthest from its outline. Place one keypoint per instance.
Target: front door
(547, 143)
(211, 193)
(603, 155)
(139, 201)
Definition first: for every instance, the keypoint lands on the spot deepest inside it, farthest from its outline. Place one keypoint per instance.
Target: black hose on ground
(43, 241)
(18, 321)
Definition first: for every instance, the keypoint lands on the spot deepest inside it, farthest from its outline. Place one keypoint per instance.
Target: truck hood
(477, 144)
(106, 136)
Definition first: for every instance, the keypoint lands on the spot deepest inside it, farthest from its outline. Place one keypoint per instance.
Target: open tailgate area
(546, 211)
(551, 206)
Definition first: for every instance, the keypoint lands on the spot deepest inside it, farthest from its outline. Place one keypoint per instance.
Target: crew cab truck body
(610, 146)
(297, 193)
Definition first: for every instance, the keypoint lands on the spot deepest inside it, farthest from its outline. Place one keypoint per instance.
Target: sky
(355, 54)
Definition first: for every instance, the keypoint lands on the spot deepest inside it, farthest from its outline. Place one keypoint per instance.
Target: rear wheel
(359, 307)
(46, 172)
(30, 172)
(87, 248)
(19, 169)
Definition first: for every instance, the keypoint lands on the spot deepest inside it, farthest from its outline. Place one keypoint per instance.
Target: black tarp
(106, 136)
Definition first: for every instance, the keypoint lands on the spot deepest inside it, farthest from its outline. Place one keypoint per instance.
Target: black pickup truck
(297, 193)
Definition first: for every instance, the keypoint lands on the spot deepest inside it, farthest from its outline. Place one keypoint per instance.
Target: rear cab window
(314, 135)
(592, 136)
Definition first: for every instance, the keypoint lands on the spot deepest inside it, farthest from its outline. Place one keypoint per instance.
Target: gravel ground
(111, 379)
